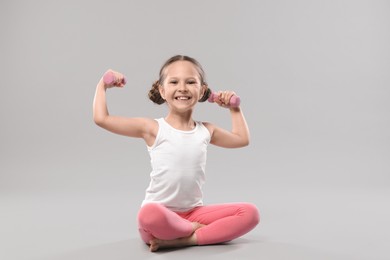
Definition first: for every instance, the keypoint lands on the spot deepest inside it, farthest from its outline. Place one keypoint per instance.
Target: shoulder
(151, 127)
(149, 121)
(210, 127)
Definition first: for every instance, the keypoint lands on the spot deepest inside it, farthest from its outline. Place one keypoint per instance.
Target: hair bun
(154, 94)
(206, 95)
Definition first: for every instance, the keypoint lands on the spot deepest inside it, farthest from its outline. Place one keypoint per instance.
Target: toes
(153, 245)
(153, 248)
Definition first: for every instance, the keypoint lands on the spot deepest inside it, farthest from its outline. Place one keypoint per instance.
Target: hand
(113, 79)
(223, 98)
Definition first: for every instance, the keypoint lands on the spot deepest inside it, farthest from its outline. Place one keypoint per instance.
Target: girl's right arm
(133, 127)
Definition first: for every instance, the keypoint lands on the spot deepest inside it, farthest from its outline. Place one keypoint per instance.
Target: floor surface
(295, 224)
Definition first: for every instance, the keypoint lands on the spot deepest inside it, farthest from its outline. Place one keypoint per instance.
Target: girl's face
(181, 87)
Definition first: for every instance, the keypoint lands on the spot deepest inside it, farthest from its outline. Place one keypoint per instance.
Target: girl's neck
(181, 121)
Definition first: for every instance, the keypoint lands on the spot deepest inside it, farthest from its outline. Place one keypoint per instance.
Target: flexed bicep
(133, 127)
(224, 138)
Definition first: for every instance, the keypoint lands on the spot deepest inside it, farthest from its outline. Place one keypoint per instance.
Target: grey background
(314, 79)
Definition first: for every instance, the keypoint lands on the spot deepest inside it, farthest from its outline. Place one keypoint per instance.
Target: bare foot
(191, 240)
(156, 244)
(153, 245)
(196, 226)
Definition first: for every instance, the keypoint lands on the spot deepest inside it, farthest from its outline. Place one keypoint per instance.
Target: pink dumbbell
(109, 78)
(233, 102)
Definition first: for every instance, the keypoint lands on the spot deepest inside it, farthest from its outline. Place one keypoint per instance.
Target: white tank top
(178, 160)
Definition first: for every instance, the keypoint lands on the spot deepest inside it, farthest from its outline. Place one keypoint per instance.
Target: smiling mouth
(182, 98)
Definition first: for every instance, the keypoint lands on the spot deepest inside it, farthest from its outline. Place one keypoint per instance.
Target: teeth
(183, 98)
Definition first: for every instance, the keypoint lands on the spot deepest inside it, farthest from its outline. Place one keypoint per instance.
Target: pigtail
(206, 95)
(154, 94)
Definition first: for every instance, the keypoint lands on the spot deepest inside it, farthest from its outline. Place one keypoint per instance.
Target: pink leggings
(224, 222)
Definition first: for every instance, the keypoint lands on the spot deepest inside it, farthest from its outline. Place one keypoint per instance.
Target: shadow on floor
(241, 249)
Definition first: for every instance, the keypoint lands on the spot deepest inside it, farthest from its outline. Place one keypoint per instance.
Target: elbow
(98, 121)
(245, 139)
(241, 142)
(245, 143)
(248, 138)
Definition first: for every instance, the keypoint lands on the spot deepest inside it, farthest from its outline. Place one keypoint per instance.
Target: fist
(114, 79)
(227, 99)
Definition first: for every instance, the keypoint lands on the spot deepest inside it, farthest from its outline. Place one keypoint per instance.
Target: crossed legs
(160, 227)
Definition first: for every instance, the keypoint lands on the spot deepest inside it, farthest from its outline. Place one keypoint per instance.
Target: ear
(162, 91)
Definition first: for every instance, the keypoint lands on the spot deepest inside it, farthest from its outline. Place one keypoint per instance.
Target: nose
(183, 87)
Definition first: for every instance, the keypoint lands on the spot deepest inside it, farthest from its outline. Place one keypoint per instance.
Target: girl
(172, 213)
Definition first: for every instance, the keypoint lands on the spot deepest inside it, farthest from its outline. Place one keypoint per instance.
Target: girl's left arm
(237, 137)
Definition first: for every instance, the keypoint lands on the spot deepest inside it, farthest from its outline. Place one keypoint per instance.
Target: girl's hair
(154, 93)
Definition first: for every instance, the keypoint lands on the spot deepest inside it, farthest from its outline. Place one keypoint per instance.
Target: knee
(252, 214)
(149, 215)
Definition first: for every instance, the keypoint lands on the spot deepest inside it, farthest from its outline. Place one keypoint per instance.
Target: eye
(173, 82)
(191, 82)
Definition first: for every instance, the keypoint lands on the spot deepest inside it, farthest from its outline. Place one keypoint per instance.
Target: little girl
(172, 213)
